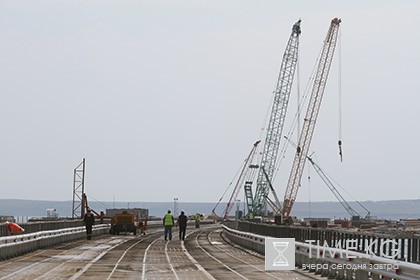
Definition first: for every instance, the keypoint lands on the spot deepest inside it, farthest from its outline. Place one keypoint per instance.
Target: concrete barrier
(248, 240)
(334, 263)
(13, 246)
(31, 227)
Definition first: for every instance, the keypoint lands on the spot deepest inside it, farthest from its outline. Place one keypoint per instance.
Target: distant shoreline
(389, 209)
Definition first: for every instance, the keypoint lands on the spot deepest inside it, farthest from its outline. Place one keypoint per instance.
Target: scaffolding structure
(79, 191)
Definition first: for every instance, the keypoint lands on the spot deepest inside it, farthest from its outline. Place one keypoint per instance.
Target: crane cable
(230, 184)
(305, 96)
(341, 187)
(298, 96)
(106, 206)
(340, 151)
(309, 192)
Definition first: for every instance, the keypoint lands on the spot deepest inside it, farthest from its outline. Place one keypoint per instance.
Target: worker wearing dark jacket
(89, 221)
(182, 223)
(168, 222)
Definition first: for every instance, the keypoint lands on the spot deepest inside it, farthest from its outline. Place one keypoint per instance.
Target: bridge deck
(205, 254)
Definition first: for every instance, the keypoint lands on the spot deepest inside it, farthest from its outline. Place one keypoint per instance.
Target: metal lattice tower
(275, 126)
(310, 118)
(79, 190)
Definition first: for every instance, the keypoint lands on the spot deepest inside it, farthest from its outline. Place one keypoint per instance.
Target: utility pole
(175, 206)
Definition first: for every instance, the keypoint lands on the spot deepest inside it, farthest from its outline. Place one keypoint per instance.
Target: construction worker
(101, 217)
(182, 223)
(197, 220)
(168, 222)
(89, 221)
(144, 226)
(14, 228)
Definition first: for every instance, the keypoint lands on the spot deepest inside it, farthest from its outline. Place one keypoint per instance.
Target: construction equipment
(245, 169)
(123, 222)
(310, 118)
(276, 122)
(85, 207)
(275, 205)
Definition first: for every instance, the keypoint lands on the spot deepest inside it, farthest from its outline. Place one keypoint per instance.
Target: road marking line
(215, 244)
(169, 260)
(78, 274)
(200, 268)
(143, 273)
(237, 273)
(123, 255)
(33, 264)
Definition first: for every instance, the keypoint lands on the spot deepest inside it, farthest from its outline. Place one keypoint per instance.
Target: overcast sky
(164, 99)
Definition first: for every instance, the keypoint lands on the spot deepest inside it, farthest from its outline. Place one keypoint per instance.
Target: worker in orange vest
(14, 228)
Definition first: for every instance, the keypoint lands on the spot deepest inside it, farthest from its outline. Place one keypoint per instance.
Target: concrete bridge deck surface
(205, 254)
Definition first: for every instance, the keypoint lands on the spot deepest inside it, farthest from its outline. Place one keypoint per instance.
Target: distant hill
(391, 209)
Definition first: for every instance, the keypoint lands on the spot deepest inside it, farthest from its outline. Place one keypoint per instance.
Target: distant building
(52, 213)
(4, 219)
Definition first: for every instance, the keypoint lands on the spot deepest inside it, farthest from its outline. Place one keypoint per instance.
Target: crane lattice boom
(241, 179)
(275, 126)
(310, 118)
(333, 189)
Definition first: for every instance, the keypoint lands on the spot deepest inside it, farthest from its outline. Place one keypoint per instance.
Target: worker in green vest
(197, 220)
(168, 223)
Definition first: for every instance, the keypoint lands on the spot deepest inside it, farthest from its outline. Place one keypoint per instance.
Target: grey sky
(165, 98)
